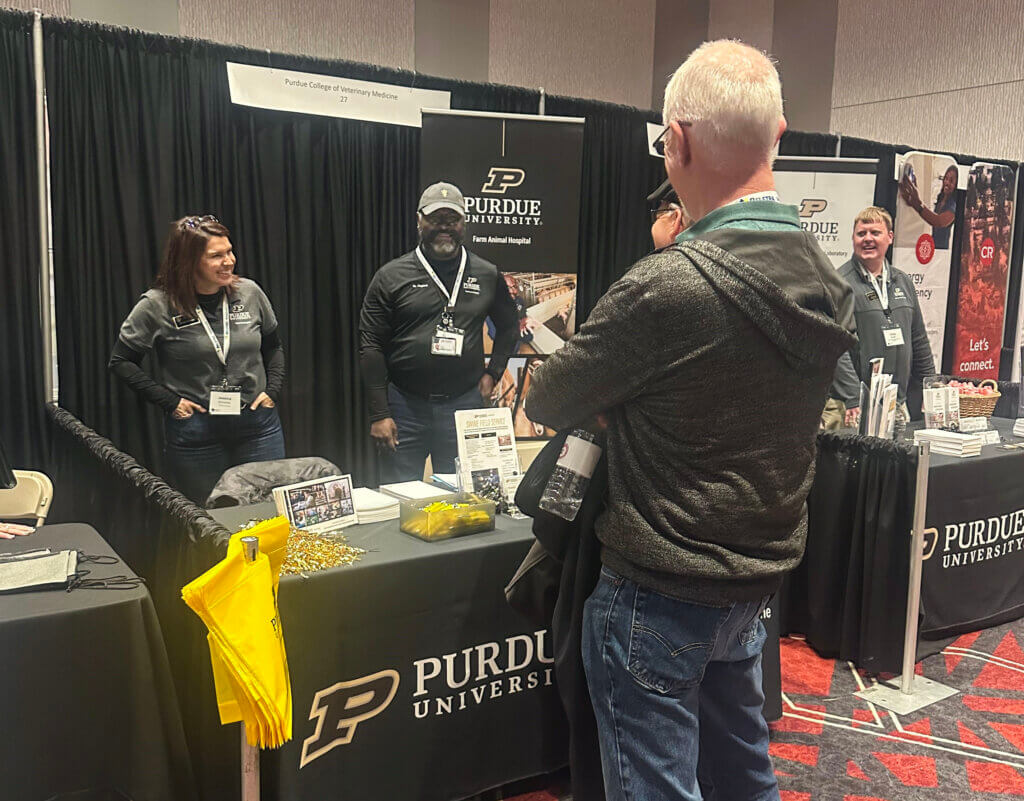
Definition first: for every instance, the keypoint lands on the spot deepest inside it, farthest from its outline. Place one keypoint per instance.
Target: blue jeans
(424, 427)
(676, 689)
(201, 447)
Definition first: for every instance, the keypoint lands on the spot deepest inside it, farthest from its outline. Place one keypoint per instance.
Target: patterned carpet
(832, 746)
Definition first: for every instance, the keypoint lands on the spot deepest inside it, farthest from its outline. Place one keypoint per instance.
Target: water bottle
(568, 483)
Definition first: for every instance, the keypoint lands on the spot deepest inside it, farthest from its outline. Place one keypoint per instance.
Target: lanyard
(222, 353)
(758, 196)
(440, 285)
(883, 290)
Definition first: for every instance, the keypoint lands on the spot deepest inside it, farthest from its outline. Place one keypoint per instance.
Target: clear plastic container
(445, 517)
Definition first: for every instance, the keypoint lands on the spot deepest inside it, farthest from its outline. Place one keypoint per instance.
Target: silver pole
(916, 563)
(250, 754)
(540, 105)
(42, 169)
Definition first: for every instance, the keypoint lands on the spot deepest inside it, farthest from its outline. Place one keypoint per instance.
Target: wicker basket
(979, 405)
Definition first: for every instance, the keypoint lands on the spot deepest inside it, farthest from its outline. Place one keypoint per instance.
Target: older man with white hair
(709, 363)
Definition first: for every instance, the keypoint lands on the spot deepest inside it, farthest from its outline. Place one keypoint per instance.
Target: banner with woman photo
(985, 241)
(925, 211)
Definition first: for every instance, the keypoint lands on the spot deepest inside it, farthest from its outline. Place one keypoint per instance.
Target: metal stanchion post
(914, 692)
(250, 754)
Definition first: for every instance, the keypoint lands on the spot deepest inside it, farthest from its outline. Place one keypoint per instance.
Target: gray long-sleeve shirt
(912, 359)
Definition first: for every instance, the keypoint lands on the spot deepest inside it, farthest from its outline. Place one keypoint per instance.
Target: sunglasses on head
(659, 143)
(195, 222)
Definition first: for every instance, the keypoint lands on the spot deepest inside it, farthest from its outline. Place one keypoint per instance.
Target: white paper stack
(950, 443)
(374, 507)
(1018, 427)
(413, 490)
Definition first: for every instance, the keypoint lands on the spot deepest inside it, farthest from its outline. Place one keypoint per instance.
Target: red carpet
(831, 746)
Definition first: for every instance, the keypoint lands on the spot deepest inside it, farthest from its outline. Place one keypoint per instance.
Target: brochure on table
(487, 451)
(320, 505)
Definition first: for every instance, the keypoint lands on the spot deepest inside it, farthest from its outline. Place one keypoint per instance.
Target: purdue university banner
(974, 545)
(985, 240)
(925, 211)
(520, 175)
(829, 193)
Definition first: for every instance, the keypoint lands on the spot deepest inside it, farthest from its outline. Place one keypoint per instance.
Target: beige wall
(375, 31)
(750, 21)
(57, 8)
(600, 49)
(945, 76)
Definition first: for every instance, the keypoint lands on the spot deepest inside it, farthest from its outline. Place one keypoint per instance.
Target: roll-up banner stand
(925, 212)
(985, 242)
(828, 194)
(520, 175)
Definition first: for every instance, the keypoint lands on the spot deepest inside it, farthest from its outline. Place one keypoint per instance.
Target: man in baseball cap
(421, 339)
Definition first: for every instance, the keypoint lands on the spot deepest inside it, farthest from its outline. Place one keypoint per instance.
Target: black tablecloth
(406, 610)
(473, 705)
(88, 707)
(974, 540)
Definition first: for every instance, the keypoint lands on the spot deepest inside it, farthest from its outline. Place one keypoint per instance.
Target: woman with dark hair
(219, 363)
(942, 216)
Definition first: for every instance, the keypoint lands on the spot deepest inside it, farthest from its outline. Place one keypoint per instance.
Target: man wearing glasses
(709, 364)
(668, 217)
(421, 339)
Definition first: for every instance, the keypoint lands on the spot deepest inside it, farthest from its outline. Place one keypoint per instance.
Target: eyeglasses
(659, 143)
(195, 222)
(661, 211)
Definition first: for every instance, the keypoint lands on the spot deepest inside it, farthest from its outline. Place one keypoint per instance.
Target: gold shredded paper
(309, 552)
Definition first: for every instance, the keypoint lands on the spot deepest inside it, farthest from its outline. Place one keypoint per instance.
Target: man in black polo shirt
(421, 339)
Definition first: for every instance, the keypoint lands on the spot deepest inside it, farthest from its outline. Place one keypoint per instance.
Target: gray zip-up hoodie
(713, 360)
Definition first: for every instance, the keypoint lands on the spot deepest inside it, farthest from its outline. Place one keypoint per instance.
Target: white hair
(731, 92)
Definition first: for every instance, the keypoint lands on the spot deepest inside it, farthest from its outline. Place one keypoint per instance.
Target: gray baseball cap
(442, 195)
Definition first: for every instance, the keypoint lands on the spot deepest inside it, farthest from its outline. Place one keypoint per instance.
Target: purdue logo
(501, 179)
(341, 707)
(811, 206)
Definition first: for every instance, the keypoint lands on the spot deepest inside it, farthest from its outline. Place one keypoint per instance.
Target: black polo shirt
(400, 314)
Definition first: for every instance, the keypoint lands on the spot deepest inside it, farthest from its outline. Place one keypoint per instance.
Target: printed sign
(925, 211)
(828, 193)
(985, 241)
(328, 96)
(520, 175)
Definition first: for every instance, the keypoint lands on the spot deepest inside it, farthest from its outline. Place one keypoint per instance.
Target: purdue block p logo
(338, 709)
(501, 179)
(811, 206)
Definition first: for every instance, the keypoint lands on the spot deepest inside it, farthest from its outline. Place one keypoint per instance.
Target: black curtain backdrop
(143, 131)
(22, 421)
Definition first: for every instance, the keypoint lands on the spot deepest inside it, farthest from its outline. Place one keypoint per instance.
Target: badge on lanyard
(892, 333)
(447, 339)
(224, 399)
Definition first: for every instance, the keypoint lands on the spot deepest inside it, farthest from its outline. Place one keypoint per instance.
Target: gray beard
(444, 250)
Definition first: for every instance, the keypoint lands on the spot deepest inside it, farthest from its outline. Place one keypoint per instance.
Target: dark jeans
(201, 447)
(424, 427)
(676, 689)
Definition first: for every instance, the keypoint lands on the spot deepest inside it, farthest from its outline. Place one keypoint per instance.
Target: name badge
(446, 342)
(893, 335)
(225, 400)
